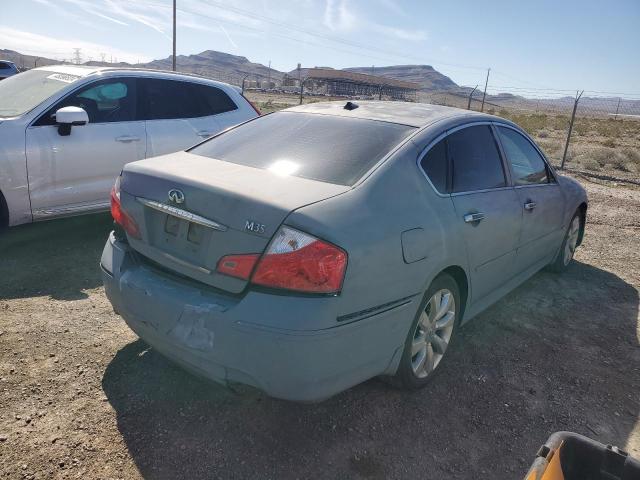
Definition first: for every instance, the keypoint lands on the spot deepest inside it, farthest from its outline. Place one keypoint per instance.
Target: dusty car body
(410, 249)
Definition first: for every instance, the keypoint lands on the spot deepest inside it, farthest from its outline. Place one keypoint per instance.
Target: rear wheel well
(4, 213)
(460, 277)
(582, 210)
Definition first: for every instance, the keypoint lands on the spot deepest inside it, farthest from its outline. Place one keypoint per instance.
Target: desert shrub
(609, 143)
(543, 134)
(580, 129)
(632, 155)
(590, 164)
(559, 122)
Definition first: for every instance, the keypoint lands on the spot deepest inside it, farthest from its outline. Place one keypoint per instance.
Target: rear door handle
(473, 217)
(204, 134)
(127, 138)
(530, 205)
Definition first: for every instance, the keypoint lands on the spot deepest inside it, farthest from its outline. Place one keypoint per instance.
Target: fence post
(573, 116)
(243, 79)
(471, 95)
(617, 109)
(484, 94)
(380, 92)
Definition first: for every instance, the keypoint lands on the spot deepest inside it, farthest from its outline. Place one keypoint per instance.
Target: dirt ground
(82, 397)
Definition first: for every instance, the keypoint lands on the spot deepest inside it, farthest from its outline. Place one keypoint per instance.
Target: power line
(394, 57)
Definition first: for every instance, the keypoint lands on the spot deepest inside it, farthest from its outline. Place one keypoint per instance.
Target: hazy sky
(592, 45)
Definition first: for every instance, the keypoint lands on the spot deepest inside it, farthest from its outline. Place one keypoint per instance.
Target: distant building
(343, 83)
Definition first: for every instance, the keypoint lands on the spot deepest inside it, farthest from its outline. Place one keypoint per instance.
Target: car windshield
(326, 148)
(21, 93)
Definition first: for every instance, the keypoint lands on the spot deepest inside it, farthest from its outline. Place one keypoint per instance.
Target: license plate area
(190, 231)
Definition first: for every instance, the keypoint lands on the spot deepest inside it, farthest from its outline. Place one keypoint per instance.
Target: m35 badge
(254, 227)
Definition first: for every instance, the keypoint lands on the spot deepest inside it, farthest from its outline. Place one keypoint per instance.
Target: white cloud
(57, 48)
(339, 18)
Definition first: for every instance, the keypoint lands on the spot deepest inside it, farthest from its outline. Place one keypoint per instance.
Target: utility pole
(301, 89)
(617, 110)
(573, 116)
(485, 90)
(471, 96)
(174, 35)
(269, 77)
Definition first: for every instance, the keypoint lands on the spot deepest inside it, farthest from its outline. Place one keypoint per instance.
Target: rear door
(180, 114)
(69, 174)
(540, 198)
(489, 212)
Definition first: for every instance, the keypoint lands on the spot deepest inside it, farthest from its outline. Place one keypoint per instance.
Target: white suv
(67, 131)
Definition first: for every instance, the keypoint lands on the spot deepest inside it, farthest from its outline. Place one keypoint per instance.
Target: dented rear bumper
(220, 336)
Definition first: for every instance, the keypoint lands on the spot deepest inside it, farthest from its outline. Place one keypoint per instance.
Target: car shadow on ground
(57, 258)
(555, 354)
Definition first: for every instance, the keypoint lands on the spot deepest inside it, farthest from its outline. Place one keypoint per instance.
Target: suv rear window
(326, 148)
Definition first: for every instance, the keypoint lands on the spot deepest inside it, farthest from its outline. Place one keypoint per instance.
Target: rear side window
(326, 148)
(528, 166)
(475, 160)
(168, 99)
(212, 100)
(435, 165)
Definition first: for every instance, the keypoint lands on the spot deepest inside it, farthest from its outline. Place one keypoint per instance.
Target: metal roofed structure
(332, 82)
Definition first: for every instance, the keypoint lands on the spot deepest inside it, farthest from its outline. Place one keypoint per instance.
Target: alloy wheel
(572, 240)
(433, 333)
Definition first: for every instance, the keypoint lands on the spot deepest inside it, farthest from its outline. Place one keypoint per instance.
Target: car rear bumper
(212, 334)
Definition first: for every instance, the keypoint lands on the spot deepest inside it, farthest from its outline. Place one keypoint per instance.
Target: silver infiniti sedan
(309, 250)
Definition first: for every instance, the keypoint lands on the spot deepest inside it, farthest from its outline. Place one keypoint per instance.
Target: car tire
(430, 335)
(4, 214)
(569, 244)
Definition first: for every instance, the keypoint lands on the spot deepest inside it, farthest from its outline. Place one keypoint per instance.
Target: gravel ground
(82, 397)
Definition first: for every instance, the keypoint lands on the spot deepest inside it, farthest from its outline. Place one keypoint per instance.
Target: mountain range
(233, 68)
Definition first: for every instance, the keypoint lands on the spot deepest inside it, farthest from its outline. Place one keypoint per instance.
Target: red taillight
(300, 262)
(121, 217)
(239, 266)
(253, 105)
(294, 261)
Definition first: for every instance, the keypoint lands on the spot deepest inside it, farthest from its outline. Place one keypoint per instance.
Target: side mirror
(67, 117)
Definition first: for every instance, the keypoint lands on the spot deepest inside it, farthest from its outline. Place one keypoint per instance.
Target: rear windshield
(327, 148)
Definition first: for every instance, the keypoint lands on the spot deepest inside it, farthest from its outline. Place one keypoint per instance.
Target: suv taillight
(120, 216)
(294, 261)
(253, 105)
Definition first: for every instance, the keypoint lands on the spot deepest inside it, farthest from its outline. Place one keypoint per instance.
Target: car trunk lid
(217, 209)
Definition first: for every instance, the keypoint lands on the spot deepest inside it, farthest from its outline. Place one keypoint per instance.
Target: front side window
(435, 165)
(21, 93)
(105, 101)
(527, 164)
(475, 160)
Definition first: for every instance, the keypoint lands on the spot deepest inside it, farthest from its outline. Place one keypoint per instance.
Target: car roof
(405, 113)
(86, 70)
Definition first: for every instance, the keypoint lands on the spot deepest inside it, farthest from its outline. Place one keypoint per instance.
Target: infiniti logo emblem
(176, 196)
